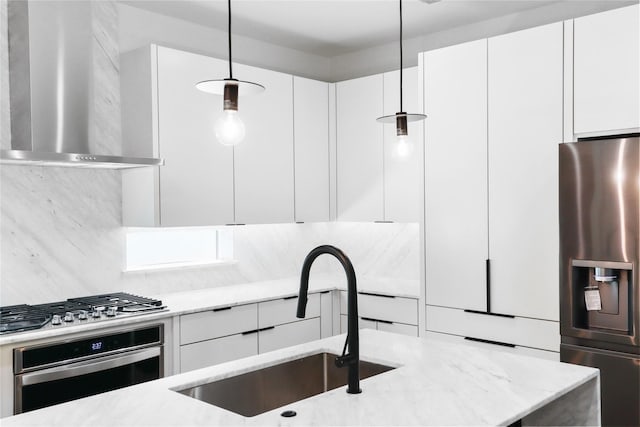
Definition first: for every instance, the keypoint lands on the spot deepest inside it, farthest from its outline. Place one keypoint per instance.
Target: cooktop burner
(17, 318)
(75, 311)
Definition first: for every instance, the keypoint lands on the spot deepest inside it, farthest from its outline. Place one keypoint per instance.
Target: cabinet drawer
(525, 351)
(289, 334)
(214, 324)
(391, 309)
(520, 331)
(284, 310)
(212, 352)
(362, 324)
(398, 328)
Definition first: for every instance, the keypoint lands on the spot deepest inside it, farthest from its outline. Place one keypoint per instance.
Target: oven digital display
(96, 346)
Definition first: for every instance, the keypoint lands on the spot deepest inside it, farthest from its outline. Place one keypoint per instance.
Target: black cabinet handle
(291, 297)
(222, 309)
(255, 331)
(376, 295)
(488, 279)
(490, 314)
(503, 344)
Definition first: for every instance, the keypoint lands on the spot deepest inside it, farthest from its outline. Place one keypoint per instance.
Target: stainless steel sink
(260, 391)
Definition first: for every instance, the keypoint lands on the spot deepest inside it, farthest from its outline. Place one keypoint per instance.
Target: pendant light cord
(230, 67)
(401, 110)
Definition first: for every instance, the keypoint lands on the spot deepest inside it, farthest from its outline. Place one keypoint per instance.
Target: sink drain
(288, 414)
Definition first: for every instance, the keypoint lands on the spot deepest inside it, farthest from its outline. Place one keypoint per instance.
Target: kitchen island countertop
(434, 383)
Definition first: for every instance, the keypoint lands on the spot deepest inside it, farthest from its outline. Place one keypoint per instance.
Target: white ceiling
(334, 27)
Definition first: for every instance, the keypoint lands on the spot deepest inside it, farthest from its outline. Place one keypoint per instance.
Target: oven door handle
(88, 367)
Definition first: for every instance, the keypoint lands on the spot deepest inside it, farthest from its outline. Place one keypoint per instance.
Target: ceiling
(334, 27)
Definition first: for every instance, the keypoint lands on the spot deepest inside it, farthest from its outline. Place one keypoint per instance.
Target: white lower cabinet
(289, 334)
(380, 325)
(228, 333)
(525, 351)
(506, 331)
(220, 350)
(383, 312)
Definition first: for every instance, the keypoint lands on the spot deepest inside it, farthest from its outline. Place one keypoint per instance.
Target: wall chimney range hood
(65, 86)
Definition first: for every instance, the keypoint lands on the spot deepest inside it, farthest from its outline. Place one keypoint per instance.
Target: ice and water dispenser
(602, 296)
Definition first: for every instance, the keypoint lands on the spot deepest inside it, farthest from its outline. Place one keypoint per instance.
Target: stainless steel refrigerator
(599, 262)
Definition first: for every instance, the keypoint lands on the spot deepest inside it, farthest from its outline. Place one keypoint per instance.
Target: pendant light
(401, 118)
(229, 127)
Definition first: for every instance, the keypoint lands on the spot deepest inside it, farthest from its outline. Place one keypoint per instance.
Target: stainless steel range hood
(65, 86)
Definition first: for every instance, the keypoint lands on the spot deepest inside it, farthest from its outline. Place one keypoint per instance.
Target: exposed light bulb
(403, 148)
(229, 128)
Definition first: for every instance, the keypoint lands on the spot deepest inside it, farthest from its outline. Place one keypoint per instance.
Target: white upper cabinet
(165, 115)
(263, 162)
(606, 72)
(359, 149)
(455, 99)
(402, 174)
(311, 149)
(525, 127)
(204, 182)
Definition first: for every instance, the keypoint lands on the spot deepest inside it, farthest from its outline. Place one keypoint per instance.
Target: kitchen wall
(60, 237)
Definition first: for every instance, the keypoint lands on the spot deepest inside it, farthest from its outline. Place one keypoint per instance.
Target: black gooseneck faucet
(352, 360)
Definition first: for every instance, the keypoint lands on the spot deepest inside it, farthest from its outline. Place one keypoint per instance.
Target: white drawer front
(362, 324)
(212, 352)
(282, 310)
(525, 351)
(391, 309)
(395, 309)
(214, 324)
(542, 334)
(398, 328)
(289, 334)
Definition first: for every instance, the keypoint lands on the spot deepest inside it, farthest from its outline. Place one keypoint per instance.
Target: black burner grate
(16, 318)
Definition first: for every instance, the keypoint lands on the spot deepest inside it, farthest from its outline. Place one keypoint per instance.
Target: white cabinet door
(311, 149)
(402, 174)
(206, 353)
(263, 162)
(289, 334)
(455, 97)
(196, 183)
(525, 127)
(359, 149)
(166, 116)
(607, 71)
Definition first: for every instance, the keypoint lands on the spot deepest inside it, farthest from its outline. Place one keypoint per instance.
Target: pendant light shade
(229, 128)
(401, 118)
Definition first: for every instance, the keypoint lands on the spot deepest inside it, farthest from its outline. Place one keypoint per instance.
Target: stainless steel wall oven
(53, 373)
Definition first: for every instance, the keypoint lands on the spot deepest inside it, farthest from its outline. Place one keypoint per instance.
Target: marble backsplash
(60, 237)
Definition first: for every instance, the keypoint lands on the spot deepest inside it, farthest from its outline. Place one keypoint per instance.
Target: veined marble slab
(434, 383)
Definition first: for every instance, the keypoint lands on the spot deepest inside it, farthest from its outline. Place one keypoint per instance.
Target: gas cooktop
(75, 311)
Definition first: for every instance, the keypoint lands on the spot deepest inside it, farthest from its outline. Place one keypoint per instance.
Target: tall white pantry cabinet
(497, 109)
(491, 250)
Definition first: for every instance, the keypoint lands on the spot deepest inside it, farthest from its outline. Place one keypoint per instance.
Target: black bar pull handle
(503, 344)
(221, 309)
(488, 279)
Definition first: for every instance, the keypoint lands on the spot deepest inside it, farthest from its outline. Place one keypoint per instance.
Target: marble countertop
(205, 299)
(434, 383)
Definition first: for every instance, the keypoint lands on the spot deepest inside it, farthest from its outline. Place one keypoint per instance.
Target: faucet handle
(344, 360)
